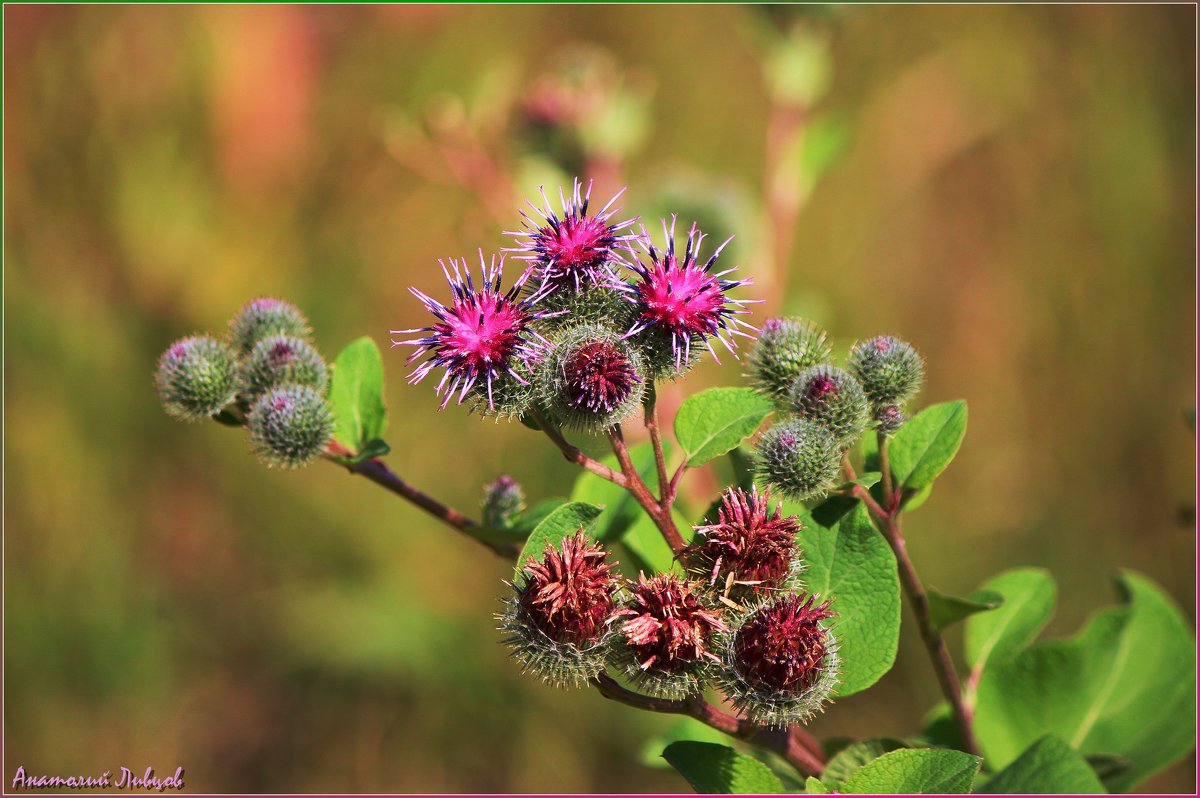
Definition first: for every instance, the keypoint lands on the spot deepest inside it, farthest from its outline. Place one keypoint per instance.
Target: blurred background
(1009, 187)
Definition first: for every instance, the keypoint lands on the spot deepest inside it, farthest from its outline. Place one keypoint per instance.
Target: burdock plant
(767, 598)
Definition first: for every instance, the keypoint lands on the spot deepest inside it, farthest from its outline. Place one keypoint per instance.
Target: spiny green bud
(263, 317)
(592, 379)
(832, 397)
(890, 370)
(279, 359)
(196, 378)
(596, 304)
(503, 501)
(289, 425)
(784, 349)
(888, 419)
(799, 458)
(513, 392)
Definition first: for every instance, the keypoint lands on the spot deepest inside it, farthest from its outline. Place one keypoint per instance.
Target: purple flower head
(751, 546)
(670, 629)
(782, 647)
(480, 335)
(572, 251)
(683, 298)
(599, 376)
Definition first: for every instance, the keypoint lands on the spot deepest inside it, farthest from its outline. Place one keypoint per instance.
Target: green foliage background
(1014, 195)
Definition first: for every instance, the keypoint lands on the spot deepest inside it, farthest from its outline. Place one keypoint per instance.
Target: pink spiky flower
(682, 298)
(670, 628)
(480, 335)
(750, 547)
(572, 251)
(569, 594)
(782, 648)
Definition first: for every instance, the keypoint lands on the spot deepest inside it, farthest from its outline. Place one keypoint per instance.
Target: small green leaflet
(712, 422)
(564, 521)
(945, 610)
(718, 769)
(1028, 604)
(915, 771)
(927, 443)
(1047, 766)
(356, 397)
(852, 758)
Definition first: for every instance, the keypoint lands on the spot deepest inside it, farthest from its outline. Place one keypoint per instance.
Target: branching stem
(574, 455)
(658, 511)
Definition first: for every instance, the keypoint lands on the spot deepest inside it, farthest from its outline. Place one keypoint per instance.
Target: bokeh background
(1011, 188)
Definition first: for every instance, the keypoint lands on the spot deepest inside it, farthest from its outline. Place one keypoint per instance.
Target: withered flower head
(751, 547)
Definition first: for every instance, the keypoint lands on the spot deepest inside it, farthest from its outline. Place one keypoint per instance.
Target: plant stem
(660, 460)
(795, 745)
(377, 471)
(659, 513)
(890, 499)
(574, 455)
(939, 655)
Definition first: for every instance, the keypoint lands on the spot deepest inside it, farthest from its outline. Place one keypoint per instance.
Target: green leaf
(813, 786)
(851, 759)
(1047, 766)
(684, 728)
(912, 499)
(916, 771)
(376, 447)
(927, 443)
(564, 521)
(846, 560)
(1124, 686)
(1108, 768)
(945, 610)
(1028, 604)
(356, 395)
(712, 422)
(620, 508)
(648, 551)
(939, 729)
(866, 480)
(716, 769)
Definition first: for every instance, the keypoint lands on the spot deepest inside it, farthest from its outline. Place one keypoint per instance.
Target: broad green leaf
(522, 526)
(849, 562)
(684, 728)
(564, 521)
(813, 786)
(712, 422)
(1047, 766)
(926, 444)
(620, 508)
(716, 769)
(648, 550)
(945, 610)
(1124, 686)
(850, 759)
(915, 771)
(356, 395)
(1028, 604)
(912, 499)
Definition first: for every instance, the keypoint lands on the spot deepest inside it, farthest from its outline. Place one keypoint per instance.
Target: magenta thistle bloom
(670, 628)
(683, 298)
(782, 648)
(480, 336)
(573, 251)
(569, 594)
(750, 544)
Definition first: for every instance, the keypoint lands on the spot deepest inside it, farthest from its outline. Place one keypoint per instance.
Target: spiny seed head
(786, 347)
(681, 301)
(667, 636)
(503, 501)
(574, 251)
(833, 397)
(196, 378)
(751, 549)
(890, 370)
(479, 337)
(888, 419)
(290, 425)
(799, 458)
(558, 620)
(601, 306)
(265, 316)
(279, 359)
(782, 661)
(592, 378)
